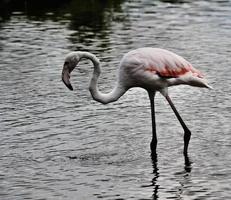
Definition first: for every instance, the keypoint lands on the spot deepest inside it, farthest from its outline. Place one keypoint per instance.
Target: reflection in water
(173, 1)
(155, 177)
(183, 180)
(188, 163)
(39, 10)
(90, 19)
(92, 14)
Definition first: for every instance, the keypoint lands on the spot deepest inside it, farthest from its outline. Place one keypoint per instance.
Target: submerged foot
(188, 163)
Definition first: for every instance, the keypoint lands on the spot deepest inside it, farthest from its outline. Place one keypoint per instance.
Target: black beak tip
(69, 86)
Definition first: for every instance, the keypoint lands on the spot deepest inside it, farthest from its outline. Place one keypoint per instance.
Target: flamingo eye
(66, 63)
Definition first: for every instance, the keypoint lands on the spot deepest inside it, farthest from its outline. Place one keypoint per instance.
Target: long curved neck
(103, 98)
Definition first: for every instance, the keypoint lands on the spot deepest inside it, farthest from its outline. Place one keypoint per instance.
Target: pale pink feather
(162, 62)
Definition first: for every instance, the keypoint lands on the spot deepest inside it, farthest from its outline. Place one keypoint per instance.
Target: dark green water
(43, 125)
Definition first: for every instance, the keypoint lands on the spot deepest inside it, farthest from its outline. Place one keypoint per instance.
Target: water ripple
(60, 144)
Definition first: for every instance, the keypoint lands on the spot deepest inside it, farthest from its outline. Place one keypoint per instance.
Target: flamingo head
(71, 61)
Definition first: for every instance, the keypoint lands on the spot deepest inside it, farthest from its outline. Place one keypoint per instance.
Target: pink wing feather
(165, 63)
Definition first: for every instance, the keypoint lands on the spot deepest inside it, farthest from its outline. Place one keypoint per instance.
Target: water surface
(57, 144)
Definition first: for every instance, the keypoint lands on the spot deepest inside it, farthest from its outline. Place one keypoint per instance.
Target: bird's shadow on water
(156, 174)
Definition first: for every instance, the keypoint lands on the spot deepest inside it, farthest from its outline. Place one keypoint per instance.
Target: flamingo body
(156, 69)
(153, 69)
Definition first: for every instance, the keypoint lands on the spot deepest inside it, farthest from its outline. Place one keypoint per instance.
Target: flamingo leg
(153, 143)
(187, 132)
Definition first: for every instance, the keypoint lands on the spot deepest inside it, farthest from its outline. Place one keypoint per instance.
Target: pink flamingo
(153, 69)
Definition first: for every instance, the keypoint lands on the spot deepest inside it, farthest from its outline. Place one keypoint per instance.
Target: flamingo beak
(66, 77)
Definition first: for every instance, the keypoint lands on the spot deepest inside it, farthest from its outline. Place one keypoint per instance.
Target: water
(57, 144)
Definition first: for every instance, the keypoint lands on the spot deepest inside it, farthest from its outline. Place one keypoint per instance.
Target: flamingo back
(158, 68)
(163, 62)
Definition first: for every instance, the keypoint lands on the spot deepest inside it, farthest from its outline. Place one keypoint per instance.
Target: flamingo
(152, 69)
